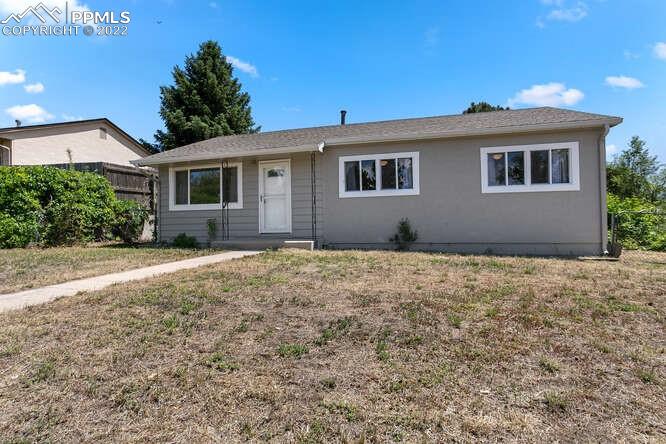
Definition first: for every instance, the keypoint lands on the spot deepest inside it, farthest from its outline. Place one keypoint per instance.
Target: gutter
(602, 190)
(355, 140)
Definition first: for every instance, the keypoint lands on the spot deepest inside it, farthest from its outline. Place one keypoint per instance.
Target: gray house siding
(452, 214)
(244, 223)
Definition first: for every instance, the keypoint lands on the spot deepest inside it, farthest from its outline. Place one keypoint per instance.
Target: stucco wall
(50, 145)
(244, 223)
(451, 213)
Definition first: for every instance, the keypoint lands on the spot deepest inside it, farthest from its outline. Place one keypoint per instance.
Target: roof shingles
(246, 143)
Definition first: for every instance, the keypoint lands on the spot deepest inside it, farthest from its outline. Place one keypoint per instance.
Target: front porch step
(263, 244)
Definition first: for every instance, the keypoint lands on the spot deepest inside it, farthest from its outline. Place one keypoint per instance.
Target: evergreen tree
(635, 173)
(205, 101)
(483, 107)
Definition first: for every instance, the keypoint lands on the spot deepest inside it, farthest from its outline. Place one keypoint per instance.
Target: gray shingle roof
(471, 124)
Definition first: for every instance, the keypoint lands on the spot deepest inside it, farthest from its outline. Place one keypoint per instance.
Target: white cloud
(550, 94)
(246, 67)
(70, 118)
(562, 10)
(34, 88)
(660, 50)
(29, 113)
(631, 55)
(611, 149)
(624, 82)
(571, 14)
(7, 77)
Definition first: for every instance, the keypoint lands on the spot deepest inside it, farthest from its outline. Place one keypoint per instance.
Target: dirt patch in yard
(309, 347)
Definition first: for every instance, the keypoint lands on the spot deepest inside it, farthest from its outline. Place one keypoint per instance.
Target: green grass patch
(219, 361)
(292, 350)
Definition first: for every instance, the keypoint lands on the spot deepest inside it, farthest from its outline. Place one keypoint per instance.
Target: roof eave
(106, 120)
(612, 121)
(476, 132)
(147, 161)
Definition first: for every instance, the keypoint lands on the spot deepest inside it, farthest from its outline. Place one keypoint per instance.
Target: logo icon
(35, 11)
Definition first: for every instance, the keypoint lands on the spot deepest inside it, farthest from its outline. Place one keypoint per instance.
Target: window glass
(496, 169)
(560, 165)
(516, 167)
(405, 173)
(230, 184)
(368, 175)
(352, 181)
(181, 187)
(205, 186)
(539, 166)
(388, 174)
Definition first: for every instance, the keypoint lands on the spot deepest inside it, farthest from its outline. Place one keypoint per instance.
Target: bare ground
(24, 268)
(338, 346)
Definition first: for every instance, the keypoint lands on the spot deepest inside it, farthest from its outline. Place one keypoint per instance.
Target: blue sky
(303, 61)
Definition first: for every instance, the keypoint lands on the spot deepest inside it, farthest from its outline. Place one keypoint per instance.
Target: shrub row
(51, 206)
(639, 224)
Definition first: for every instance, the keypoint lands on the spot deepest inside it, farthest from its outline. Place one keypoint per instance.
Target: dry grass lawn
(347, 346)
(24, 268)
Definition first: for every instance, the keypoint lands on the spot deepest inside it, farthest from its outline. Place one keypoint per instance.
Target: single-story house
(83, 141)
(529, 181)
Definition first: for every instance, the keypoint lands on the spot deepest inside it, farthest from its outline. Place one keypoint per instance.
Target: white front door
(275, 197)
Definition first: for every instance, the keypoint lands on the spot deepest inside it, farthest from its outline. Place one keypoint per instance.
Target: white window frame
(218, 206)
(343, 193)
(574, 168)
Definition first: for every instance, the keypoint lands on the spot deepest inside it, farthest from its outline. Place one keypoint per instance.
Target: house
(529, 181)
(84, 141)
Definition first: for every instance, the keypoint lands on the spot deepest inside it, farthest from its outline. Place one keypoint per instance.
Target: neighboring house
(528, 181)
(85, 141)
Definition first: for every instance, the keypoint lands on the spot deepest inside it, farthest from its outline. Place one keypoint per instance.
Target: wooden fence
(129, 183)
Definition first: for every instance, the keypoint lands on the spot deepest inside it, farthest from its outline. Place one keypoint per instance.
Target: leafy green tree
(205, 101)
(152, 148)
(483, 107)
(635, 173)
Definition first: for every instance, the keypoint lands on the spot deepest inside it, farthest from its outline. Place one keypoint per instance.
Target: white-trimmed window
(202, 187)
(367, 175)
(525, 168)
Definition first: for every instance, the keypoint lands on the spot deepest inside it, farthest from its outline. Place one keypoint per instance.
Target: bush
(404, 236)
(17, 234)
(185, 241)
(638, 224)
(53, 206)
(130, 219)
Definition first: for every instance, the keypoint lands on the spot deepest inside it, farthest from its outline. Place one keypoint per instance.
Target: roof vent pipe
(343, 115)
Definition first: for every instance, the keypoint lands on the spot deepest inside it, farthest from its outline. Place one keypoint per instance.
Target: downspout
(602, 189)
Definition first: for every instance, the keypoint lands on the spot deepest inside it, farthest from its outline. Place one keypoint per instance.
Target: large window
(206, 187)
(379, 175)
(542, 167)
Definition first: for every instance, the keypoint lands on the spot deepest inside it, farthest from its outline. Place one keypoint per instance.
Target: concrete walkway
(41, 295)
